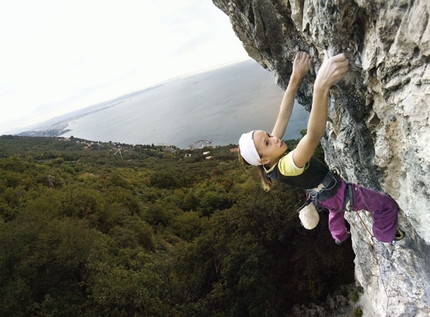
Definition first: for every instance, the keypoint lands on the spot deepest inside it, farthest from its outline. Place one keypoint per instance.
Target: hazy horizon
(218, 104)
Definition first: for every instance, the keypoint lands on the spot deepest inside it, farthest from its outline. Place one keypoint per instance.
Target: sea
(216, 105)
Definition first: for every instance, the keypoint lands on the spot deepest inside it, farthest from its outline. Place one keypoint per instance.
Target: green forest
(107, 229)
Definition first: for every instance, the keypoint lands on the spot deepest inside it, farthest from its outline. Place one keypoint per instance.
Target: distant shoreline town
(60, 128)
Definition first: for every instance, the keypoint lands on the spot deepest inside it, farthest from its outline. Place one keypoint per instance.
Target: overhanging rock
(378, 129)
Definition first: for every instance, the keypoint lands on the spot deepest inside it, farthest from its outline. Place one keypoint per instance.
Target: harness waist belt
(328, 187)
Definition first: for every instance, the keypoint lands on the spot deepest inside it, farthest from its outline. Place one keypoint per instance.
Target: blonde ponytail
(266, 182)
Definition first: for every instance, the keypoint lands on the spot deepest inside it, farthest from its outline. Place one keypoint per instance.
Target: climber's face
(269, 147)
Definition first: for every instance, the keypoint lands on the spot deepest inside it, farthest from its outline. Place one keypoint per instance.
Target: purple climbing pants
(382, 207)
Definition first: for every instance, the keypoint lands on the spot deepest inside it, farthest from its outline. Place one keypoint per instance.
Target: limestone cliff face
(378, 132)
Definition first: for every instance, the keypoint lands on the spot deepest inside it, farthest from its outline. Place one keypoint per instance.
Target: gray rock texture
(378, 130)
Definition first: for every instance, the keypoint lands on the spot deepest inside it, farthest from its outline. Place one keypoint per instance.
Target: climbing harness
(348, 202)
(327, 189)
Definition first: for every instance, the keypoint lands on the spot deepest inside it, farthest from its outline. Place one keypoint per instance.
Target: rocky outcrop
(378, 129)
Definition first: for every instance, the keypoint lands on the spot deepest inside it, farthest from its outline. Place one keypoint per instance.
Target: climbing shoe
(337, 242)
(400, 234)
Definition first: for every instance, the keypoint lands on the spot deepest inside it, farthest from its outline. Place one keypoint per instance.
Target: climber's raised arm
(332, 70)
(302, 63)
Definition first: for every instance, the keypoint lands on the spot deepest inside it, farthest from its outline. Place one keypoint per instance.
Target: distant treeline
(106, 229)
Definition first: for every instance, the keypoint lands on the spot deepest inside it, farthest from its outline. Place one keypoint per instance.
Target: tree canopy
(87, 230)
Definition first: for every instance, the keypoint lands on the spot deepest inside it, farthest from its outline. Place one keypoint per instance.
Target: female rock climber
(299, 169)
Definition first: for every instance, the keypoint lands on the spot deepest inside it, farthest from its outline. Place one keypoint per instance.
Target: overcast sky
(57, 56)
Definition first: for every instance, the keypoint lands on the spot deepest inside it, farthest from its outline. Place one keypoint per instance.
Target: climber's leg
(336, 225)
(383, 208)
(336, 221)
